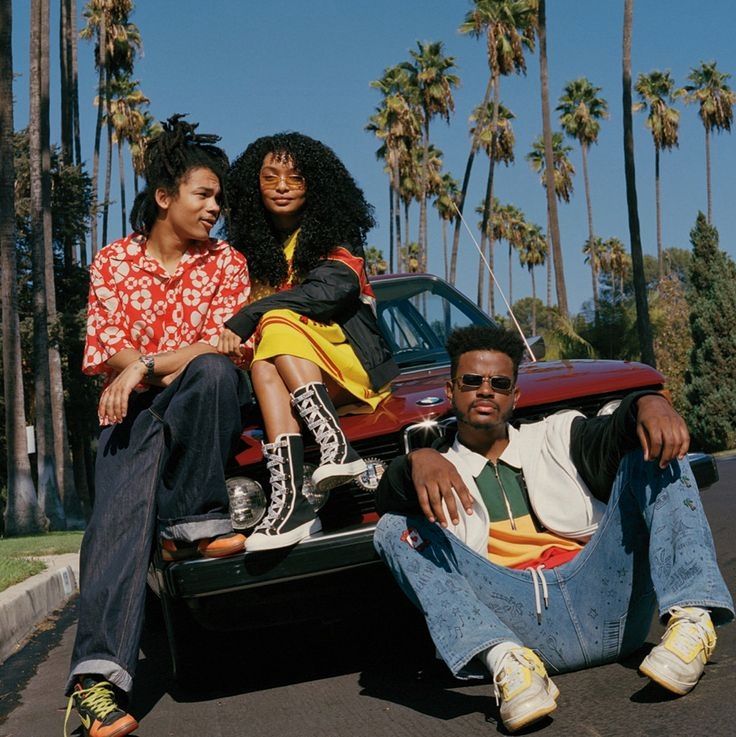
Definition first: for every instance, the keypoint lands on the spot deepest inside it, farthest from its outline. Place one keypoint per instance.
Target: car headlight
(609, 408)
(247, 502)
(316, 498)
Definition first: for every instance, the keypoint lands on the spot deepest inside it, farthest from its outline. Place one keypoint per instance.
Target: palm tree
(508, 27)
(533, 252)
(44, 300)
(507, 223)
(397, 126)
(553, 224)
(126, 101)
(117, 41)
(581, 112)
(643, 325)
(446, 201)
(493, 130)
(656, 91)
(431, 78)
(563, 172)
(708, 87)
(22, 513)
(149, 128)
(616, 262)
(594, 250)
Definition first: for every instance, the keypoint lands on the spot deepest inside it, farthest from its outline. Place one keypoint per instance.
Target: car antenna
(495, 281)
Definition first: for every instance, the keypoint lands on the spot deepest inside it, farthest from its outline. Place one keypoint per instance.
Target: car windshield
(416, 315)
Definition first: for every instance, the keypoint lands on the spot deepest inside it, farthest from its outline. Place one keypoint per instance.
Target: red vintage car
(416, 313)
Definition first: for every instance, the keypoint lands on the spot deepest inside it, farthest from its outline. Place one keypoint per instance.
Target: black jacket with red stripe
(337, 291)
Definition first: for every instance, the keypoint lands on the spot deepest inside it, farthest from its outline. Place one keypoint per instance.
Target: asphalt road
(370, 677)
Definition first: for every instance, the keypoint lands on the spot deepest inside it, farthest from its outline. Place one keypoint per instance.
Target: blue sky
(244, 69)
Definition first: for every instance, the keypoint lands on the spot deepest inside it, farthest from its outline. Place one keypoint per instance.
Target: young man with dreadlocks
(170, 411)
(301, 220)
(552, 543)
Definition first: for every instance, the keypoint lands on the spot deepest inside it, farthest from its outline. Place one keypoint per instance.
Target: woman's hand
(229, 343)
(113, 404)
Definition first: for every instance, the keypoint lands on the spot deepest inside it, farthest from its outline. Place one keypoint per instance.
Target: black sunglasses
(501, 384)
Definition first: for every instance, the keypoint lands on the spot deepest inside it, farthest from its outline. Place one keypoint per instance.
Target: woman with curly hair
(301, 221)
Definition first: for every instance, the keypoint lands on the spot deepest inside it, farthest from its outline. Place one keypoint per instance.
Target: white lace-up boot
(339, 462)
(290, 517)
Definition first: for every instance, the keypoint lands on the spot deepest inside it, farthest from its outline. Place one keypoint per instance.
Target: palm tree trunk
(72, 19)
(65, 68)
(108, 175)
(511, 284)
(464, 189)
(121, 173)
(101, 62)
(549, 266)
(658, 208)
(390, 220)
(444, 247)
(22, 514)
(591, 236)
(707, 175)
(486, 234)
(424, 195)
(642, 307)
(397, 213)
(48, 492)
(549, 163)
(534, 302)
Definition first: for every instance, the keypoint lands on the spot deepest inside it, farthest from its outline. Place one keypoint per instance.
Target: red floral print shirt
(134, 303)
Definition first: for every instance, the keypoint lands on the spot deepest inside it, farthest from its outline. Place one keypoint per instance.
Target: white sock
(492, 656)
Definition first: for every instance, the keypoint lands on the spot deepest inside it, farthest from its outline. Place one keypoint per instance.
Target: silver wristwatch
(147, 361)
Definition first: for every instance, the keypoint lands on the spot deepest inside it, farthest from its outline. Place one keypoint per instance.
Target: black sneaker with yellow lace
(95, 702)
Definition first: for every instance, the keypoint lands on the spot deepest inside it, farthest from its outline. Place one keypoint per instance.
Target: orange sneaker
(222, 546)
(98, 711)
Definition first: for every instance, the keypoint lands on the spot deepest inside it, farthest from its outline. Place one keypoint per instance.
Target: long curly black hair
(168, 158)
(335, 212)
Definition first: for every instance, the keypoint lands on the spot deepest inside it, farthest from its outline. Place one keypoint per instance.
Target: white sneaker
(687, 644)
(524, 689)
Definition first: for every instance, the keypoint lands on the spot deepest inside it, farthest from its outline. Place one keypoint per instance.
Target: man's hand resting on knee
(662, 432)
(436, 480)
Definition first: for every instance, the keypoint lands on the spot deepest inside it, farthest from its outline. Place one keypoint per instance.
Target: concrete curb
(24, 606)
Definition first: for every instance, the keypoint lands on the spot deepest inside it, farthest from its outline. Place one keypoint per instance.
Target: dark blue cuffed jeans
(162, 470)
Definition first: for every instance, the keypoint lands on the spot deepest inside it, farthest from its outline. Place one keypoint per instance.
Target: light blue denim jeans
(653, 548)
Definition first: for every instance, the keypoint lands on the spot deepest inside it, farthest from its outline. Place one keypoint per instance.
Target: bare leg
(273, 398)
(297, 372)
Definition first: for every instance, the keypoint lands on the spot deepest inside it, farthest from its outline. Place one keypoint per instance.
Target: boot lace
(323, 430)
(274, 465)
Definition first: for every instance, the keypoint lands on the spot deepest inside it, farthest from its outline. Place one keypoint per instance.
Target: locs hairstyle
(167, 160)
(484, 338)
(335, 211)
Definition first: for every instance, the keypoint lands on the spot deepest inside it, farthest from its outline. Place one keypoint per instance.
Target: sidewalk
(24, 606)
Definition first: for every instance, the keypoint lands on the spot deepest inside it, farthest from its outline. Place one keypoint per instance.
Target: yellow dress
(285, 332)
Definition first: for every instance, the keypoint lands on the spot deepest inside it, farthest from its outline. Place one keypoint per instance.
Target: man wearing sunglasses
(553, 543)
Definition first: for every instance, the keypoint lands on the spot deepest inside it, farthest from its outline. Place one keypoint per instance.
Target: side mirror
(539, 349)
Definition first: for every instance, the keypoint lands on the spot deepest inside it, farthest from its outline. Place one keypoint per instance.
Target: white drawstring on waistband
(537, 572)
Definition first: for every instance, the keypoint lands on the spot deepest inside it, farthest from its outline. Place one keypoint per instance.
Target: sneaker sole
(527, 719)
(259, 541)
(124, 730)
(660, 678)
(331, 475)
